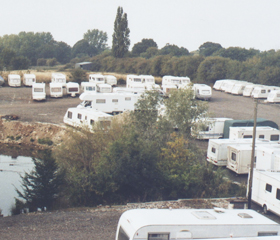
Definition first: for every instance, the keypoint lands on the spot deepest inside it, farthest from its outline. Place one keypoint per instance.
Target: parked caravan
(149, 82)
(273, 97)
(56, 90)
(14, 80)
(39, 91)
(2, 81)
(29, 79)
(218, 84)
(59, 78)
(202, 91)
(239, 88)
(88, 87)
(109, 102)
(268, 157)
(266, 190)
(171, 80)
(104, 88)
(262, 92)
(78, 117)
(72, 89)
(134, 81)
(165, 224)
(185, 81)
(97, 78)
(268, 133)
(110, 79)
(228, 86)
(211, 128)
(249, 89)
(247, 123)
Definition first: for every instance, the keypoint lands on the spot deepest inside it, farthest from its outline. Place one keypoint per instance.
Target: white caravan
(202, 91)
(268, 133)
(228, 86)
(273, 97)
(56, 90)
(97, 78)
(266, 190)
(14, 80)
(110, 79)
(262, 92)
(88, 87)
(239, 88)
(166, 224)
(39, 91)
(104, 88)
(109, 102)
(29, 79)
(134, 81)
(72, 89)
(59, 78)
(171, 80)
(268, 157)
(219, 83)
(84, 117)
(249, 89)
(149, 82)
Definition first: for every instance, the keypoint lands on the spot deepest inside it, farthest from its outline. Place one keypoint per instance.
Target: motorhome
(268, 157)
(166, 224)
(134, 81)
(88, 87)
(28, 79)
(72, 89)
(110, 79)
(14, 80)
(249, 89)
(109, 102)
(39, 91)
(239, 88)
(97, 78)
(149, 82)
(104, 88)
(262, 92)
(202, 91)
(56, 90)
(273, 97)
(84, 117)
(268, 133)
(59, 78)
(210, 128)
(266, 190)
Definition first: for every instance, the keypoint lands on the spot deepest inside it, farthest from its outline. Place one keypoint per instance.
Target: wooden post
(252, 156)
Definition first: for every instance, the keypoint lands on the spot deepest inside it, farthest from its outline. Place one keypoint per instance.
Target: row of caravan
(248, 89)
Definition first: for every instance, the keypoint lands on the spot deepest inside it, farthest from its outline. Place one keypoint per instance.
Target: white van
(97, 78)
(29, 79)
(202, 91)
(56, 90)
(110, 79)
(39, 91)
(167, 224)
(59, 78)
(14, 80)
(72, 89)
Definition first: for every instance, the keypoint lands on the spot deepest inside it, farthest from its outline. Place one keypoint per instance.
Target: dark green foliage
(141, 47)
(45, 141)
(173, 50)
(121, 40)
(97, 40)
(82, 48)
(78, 75)
(208, 48)
(42, 186)
(236, 53)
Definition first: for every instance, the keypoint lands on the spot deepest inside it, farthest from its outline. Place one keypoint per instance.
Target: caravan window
(115, 100)
(261, 234)
(274, 138)
(69, 115)
(38, 90)
(213, 150)
(79, 116)
(233, 156)
(261, 136)
(278, 194)
(263, 91)
(268, 187)
(128, 99)
(91, 122)
(278, 95)
(158, 236)
(100, 100)
(247, 136)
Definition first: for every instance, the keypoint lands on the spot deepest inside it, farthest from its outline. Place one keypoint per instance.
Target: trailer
(167, 224)
(239, 88)
(104, 88)
(110, 79)
(134, 81)
(59, 78)
(266, 190)
(171, 80)
(56, 90)
(268, 157)
(109, 102)
(262, 92)
(72, 89)
(228, 86)
(88, 87)
(219, 83)
(249, 89)
(77, 117)
(97, 78)
(273, 97)
(149, 82)
(39, 91)
(202, 91)
(211, 128)
(29, 79)
(14, 80)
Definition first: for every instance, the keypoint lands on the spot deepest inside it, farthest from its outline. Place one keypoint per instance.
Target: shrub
(41, 62)
(45, 141)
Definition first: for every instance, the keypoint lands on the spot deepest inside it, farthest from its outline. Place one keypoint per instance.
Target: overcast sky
(185, 23)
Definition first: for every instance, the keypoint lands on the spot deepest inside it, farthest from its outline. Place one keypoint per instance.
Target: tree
(173, 50)
(81, 48)
(208, 48)
(142, 46)
(121, 40)
(96, 40)
(41, 187)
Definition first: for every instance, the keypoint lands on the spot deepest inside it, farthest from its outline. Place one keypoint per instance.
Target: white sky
(185, 23)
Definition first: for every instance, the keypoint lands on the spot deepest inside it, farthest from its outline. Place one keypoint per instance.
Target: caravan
(273, 97)
(97, 78)
(110, 79)
(29, 79)
(239, 88)
(202, 91)
(39, 91)
(88, 87)
(249, 89)
(72, 88)
(262, 92)
(56, 90)
(149, 82)
(165, 224)
(104, 88)
(268, 157)
(59, 78)
(134, 81)
(14, 80)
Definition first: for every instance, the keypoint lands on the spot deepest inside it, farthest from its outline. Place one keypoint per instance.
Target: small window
(268, 187)
(274, 137)
(263, 91)
(260, 234)
(38, 90)
(247, 136)
(261, 136)
(79, 116)
(213, 150)
(69, 115)
(244, 215)
(233, 156)
(100, 100)
(91, 122)
(128, 99)
(278, 194)
(158, 236)
(115, 100)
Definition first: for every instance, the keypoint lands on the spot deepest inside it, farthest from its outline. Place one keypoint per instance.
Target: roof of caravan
(139, 218)
(58, 74)
(72, 84)
(96, 75)
(14, 75)
(247, 123)
(88, 96)
(89, 111)
(55, 84)
(29, 75)
(272, 174)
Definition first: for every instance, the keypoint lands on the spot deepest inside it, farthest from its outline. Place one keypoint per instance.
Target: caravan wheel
(265, 209)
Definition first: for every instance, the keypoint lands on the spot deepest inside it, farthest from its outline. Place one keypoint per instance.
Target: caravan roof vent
(203, 215)
(244, 215)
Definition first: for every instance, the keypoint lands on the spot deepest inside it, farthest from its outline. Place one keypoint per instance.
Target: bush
(52, 62)
(45, 141)
(41, 62)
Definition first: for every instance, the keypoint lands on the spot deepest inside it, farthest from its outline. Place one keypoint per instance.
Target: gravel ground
(93, 224)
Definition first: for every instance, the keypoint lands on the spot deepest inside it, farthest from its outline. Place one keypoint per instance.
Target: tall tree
(208, 48)
(142, 46)
(96, 39)
(121, 40)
